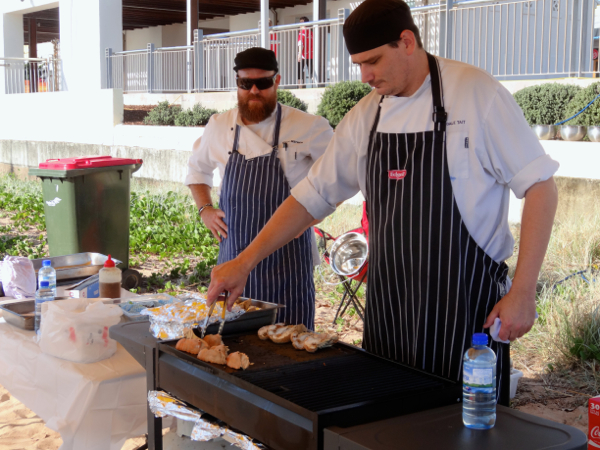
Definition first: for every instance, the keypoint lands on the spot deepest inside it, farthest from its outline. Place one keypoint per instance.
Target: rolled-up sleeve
(516, 157)
(201, 163)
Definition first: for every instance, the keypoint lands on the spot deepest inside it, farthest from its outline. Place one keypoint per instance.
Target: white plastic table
(95, 406)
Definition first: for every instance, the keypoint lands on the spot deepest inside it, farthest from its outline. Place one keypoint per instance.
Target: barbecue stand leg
(350, 294)
(155, 439)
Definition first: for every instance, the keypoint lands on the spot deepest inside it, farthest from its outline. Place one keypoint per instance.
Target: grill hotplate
(296, 393)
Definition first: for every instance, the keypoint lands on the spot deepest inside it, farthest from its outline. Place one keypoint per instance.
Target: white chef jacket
(303, 138)
(490, 149)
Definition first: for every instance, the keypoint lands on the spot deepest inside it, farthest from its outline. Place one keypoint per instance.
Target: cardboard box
(594, 423)
(88, 288)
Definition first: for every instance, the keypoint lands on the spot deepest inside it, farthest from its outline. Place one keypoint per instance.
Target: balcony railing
(30, 75)
(515, 39)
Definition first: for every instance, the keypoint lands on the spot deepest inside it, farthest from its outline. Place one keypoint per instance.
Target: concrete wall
(166, 150)
(174, 35)
(140, 38)
(219, 23)
(61, 116)
(220, 101)
(161, 165)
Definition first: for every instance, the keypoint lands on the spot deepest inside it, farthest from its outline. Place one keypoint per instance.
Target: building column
(11, 44)
(87, 29)
(319, 9)
(265, 38)
(191, 20)
(32, 38)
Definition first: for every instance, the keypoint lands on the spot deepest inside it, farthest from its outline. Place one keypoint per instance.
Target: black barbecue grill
(287, 397)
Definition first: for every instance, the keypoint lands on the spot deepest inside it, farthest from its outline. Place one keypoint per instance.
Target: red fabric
(364, 229)
(306, 37)
(273, 38)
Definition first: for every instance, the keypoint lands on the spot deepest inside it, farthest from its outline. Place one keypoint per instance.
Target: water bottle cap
(109, 262)
(46, 263)
(44, 284)
(480, 339)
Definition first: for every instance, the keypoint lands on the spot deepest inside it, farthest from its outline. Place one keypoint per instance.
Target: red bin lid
(86, 162)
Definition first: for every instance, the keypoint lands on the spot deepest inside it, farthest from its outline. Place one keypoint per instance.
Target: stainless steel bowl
(348, 253)
(544, 132)
(572, 132)
(593, 133)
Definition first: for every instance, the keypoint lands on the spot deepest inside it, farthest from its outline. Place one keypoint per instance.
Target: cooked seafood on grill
(298, 339)
(319, 340)
(213, 340)
(283, 334)
(238, 360)
(192, 346)
(263, 333)
(215, 355)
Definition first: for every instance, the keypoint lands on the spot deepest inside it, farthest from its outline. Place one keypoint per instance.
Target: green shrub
(163, 114)
(287, 98)
(340, 98)
(197, 116)
(545, 104)
(590, 116)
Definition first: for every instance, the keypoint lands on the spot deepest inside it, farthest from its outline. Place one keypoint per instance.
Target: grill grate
(336, 382)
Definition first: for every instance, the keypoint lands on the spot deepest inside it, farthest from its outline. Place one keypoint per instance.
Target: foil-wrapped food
(162, 404)
(170, 321)
(205, 428)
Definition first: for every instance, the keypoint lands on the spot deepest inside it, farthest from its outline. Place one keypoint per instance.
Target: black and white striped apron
(251, 191)
(429, 286)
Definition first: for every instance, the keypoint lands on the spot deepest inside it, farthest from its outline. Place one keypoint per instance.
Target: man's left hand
(517, 313)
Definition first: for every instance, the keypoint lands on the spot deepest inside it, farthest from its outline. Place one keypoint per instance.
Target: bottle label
(478, 379)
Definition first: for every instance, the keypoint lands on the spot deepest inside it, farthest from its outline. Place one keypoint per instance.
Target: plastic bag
(76, 329)
(18, 277)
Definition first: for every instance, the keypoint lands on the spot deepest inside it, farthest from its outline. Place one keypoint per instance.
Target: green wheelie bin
(86, 202)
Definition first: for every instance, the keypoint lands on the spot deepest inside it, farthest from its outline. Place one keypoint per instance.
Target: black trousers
(308, 64)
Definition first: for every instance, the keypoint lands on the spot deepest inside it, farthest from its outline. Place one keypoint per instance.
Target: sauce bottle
(110, 280)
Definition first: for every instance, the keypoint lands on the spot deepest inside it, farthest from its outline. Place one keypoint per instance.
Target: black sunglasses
(261, 83)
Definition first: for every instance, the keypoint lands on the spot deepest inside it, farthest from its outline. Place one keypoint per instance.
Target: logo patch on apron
(396, 174)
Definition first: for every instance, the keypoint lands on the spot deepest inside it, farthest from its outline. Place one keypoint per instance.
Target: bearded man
(262, 149)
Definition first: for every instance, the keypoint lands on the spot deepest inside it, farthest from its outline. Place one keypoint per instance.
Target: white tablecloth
(93, 406)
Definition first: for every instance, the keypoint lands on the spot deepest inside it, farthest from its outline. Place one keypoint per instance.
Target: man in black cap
(435, 148)
(261, 150)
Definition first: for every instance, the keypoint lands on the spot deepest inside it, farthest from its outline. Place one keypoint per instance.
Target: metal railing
(30, 75)
(511, 39)
(524, 38)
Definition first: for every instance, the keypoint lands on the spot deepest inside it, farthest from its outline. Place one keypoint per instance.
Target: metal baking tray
(21, 314)
(248, 321)
(78, 265)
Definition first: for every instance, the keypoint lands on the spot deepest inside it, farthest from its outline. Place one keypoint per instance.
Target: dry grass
(569, 323)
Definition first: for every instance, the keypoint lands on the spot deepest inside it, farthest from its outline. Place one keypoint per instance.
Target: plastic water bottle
(479, 384)
(47, 273)
(43, 294)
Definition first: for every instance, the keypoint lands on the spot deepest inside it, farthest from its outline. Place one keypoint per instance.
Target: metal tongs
(225, 296)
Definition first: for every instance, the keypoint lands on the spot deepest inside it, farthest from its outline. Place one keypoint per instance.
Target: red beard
(256, 112)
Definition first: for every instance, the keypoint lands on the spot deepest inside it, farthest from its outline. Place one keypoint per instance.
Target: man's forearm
(536, 226)
(287, 222)
(201, 194)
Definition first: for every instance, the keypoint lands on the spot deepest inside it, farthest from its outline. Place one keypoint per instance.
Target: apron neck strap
(277, 126)
(236, 138)
(437, 93)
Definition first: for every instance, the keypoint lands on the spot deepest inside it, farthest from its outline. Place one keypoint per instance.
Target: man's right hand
(227, 277)
(213, 219)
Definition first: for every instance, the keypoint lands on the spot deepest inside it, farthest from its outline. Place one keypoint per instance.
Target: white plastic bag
(18, 277)
(76, 329)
